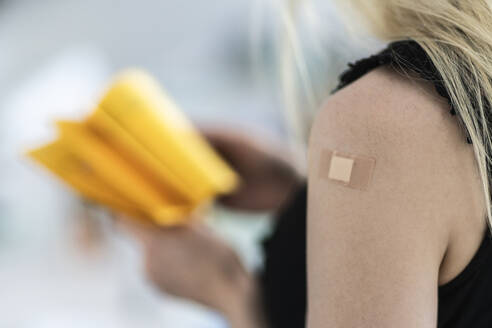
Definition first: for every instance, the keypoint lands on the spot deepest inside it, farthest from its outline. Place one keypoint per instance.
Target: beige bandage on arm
(354, 171)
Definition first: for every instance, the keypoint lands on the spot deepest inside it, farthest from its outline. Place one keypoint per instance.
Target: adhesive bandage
(354, 171)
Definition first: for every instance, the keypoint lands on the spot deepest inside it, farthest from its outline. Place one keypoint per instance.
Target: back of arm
(374, 254)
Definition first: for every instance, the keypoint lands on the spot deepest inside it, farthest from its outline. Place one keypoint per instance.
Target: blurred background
(62, 263)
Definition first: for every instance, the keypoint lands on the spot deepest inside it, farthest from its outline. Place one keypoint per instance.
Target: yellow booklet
(138, 154)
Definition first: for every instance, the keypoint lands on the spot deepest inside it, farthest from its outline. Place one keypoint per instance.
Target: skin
(267, 177)
(192, 263)
(376, 257)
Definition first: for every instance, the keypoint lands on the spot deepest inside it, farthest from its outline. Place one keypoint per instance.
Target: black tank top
(465, 301)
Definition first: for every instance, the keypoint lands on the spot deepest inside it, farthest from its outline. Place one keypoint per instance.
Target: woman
(408, 246)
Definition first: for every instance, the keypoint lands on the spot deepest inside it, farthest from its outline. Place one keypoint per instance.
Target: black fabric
(284, 277)
(466, 301)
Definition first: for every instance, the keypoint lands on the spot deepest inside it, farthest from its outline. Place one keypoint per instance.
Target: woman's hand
(192, 263)
(268, 178)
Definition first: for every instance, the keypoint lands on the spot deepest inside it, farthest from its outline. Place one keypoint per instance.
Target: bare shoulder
(407, 127)
(388, 104)
(418, 222)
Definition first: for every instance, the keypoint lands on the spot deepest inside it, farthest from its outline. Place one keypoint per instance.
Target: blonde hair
(308, 68)
(457, 37)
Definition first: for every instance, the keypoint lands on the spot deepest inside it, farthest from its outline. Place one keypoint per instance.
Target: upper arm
(374, 254)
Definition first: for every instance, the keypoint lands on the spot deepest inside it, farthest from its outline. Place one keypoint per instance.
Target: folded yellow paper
(138, 154)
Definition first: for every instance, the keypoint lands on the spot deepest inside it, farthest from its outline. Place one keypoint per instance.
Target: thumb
(140, 230)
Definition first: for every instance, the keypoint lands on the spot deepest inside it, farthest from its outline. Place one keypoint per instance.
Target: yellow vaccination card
(138, 154)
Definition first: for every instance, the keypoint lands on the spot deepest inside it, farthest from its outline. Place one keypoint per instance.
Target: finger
(148, 233)
(142, 231)
(223, 140)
